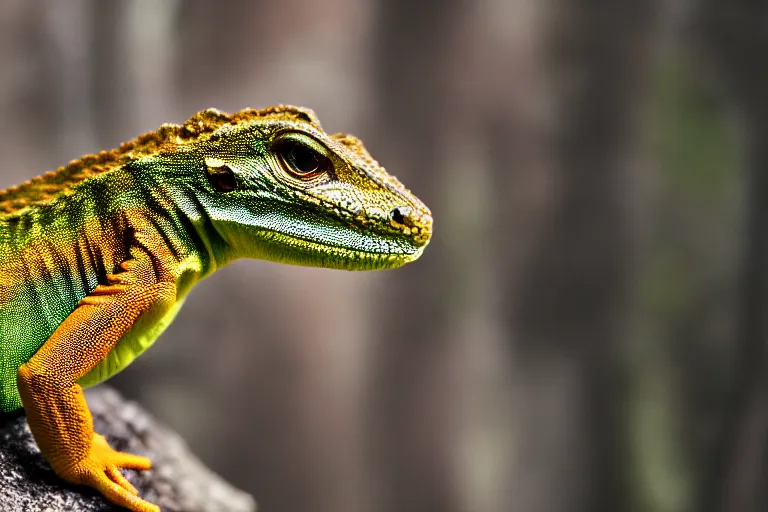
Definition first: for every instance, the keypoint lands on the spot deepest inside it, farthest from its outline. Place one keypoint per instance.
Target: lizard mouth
(366, 237)
(300, 236)
(314, 252)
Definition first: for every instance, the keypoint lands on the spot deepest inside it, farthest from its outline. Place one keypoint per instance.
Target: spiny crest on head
(357, 147)
(52, 184)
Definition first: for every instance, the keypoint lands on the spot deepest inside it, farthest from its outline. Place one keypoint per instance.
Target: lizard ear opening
(222, 178)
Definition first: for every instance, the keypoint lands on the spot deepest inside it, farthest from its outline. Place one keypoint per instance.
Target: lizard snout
(412, 222)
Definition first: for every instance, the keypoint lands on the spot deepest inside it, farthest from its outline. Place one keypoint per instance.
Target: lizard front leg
(57, 413)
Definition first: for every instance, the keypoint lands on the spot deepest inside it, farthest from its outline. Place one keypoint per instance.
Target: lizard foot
(101, 470)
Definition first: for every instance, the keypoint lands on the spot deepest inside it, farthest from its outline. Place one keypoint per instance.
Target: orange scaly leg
(56, 409)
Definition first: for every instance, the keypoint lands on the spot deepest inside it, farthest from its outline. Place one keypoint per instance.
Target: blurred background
(586, 331)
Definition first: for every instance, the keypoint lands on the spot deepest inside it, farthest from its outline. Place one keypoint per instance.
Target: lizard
(97, 257)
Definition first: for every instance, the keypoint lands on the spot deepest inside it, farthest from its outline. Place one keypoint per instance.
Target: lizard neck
(172, 205)
(91, 228)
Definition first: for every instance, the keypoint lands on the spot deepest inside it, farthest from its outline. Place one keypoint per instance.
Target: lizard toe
(119, 495)
(116, 476)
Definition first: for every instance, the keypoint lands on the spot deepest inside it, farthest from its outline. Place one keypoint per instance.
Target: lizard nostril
(397, 216)
(402, 218)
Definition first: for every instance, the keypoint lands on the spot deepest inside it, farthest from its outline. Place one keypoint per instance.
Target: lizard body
(97, 258)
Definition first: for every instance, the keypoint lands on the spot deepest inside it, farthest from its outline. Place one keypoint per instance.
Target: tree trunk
(569, 311)
(413, 388)
(733, 37)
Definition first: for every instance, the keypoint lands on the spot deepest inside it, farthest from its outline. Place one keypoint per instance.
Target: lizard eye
(222, 178)
(301, 160)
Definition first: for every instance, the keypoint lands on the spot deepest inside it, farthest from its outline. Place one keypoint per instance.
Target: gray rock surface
(178, 482)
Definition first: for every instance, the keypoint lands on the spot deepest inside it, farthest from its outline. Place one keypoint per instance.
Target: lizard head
(277, 187)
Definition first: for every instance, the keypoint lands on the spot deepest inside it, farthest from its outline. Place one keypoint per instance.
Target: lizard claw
(101, 470)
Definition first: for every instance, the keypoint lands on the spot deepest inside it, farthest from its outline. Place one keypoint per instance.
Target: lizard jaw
(297, 251)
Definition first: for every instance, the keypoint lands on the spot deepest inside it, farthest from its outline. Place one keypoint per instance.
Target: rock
(178, 482)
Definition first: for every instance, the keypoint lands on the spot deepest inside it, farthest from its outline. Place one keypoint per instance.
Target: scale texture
(97, 257)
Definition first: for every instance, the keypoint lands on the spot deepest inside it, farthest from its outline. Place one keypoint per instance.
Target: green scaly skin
(182, 201)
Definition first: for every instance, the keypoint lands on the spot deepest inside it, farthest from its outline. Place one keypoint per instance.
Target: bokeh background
(586, 331)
